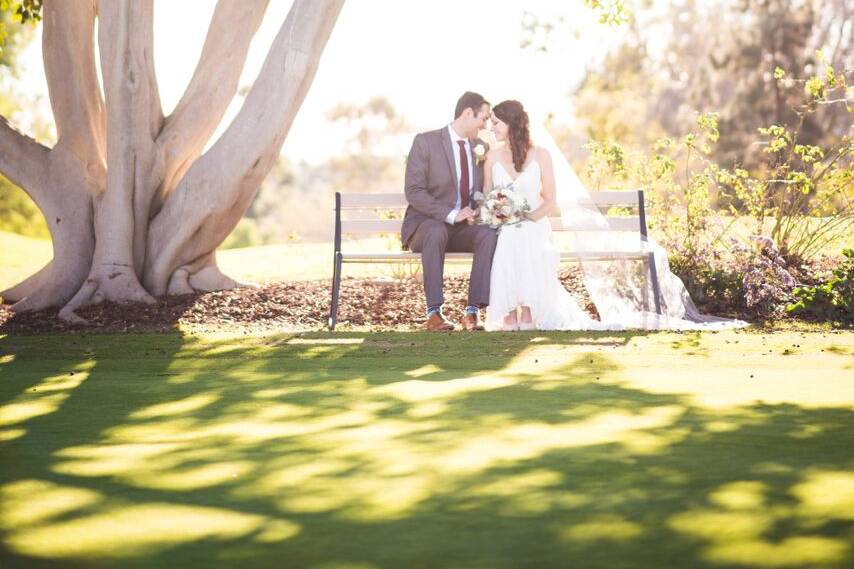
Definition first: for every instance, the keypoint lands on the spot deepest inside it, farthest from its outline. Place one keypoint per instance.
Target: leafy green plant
(832, 299)
(806, 190)
(679, 180)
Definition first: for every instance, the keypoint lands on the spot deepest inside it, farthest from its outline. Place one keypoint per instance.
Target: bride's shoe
(525, 326)
(514, 327)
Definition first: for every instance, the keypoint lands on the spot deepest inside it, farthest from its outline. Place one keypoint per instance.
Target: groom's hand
(465, 214)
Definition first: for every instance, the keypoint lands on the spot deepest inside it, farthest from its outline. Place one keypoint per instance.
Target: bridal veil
(616, 263)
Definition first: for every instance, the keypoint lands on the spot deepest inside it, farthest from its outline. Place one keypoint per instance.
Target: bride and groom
(515, 271)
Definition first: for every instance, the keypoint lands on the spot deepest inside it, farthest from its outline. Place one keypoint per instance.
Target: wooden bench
(364, 217)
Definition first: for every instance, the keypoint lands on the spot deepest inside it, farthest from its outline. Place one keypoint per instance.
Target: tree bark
(134, 118)
(202, 275)
(125, 192)
(212, 197)
(212, 88)
(22, 160)
(75, 96)
(73, 171)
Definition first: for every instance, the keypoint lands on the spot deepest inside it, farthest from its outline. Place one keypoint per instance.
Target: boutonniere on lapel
(479, 151)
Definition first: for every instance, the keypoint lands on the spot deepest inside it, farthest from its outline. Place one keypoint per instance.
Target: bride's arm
(548, 193)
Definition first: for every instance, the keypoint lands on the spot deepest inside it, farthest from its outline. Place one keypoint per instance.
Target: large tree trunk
(62, 181)
(133, 208)
(133, 119)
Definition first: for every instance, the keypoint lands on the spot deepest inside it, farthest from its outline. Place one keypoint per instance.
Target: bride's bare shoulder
(493, 154)
(542, 155)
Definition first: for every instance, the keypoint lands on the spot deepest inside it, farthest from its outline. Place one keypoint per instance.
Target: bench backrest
(363, 218)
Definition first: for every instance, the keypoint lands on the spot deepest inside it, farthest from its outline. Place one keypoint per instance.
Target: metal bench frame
(371, 202)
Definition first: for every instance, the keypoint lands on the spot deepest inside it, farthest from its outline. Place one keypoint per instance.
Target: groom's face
(478, 122)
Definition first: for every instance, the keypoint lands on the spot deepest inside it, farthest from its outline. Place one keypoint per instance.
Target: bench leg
(336, 290)
(645, 290)
(656, 289)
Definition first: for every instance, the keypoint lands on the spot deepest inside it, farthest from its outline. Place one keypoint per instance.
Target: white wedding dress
(526, 262)
(525, 266)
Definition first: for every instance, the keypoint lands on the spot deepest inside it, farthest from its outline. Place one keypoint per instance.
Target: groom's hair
(469, 100)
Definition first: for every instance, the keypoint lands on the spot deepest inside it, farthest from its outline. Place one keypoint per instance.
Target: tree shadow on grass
(400, 450)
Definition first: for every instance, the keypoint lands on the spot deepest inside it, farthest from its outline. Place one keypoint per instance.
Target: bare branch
(213, 86)
(69, 63)
(22, 160)
(226, 177)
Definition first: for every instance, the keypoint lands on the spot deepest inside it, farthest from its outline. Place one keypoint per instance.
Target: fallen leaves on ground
(297, 305)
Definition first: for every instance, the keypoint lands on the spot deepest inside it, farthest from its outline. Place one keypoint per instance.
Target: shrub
(832, 299)
(749, 279)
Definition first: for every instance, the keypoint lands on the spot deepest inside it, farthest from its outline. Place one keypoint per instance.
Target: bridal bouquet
(501, 206)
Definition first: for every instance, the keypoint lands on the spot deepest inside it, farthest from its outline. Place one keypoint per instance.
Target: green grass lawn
(20, 257)
(405, 450)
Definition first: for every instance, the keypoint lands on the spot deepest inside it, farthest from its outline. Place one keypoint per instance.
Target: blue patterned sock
(434, 310)
(471, 309)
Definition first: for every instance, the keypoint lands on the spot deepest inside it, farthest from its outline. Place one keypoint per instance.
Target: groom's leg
(431, 240)
(480, 240)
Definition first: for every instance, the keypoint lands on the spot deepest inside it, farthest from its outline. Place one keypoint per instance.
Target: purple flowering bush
(750, 280)
(767, 282)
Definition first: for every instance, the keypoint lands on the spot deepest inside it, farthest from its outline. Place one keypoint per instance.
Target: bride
(525, 292)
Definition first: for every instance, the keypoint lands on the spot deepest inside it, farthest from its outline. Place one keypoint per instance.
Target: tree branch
(23, 160)
(69, 63)
(226, 177)
(212, 88)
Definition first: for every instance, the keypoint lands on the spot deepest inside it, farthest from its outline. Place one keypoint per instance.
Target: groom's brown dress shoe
(471, 322)
(437, 322)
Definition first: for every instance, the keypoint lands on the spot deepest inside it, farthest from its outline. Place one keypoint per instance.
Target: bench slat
(407, 257)
(367, 226)
(615, 197)
(371, 225)
(627, 223)
(398, 201)
(364, 201)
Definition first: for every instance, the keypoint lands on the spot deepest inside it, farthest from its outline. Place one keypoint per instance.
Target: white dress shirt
(455, 152)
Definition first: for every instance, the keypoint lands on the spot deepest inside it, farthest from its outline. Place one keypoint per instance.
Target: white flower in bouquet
(501, 206)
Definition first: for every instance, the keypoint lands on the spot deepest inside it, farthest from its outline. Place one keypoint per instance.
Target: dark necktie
(464, 175)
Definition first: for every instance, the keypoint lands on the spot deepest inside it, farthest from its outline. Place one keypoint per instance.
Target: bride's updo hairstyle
(514, 116)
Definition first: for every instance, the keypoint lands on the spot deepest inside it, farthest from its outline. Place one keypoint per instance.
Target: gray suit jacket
(431, 180)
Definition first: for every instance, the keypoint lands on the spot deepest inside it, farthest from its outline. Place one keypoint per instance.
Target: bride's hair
(514, 116)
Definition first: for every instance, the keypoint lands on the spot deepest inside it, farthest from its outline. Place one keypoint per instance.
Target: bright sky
(420, 55)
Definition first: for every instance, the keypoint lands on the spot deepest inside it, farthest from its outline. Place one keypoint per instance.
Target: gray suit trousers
(435, 238)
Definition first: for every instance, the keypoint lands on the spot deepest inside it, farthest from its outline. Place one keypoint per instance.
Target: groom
(443, 171)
